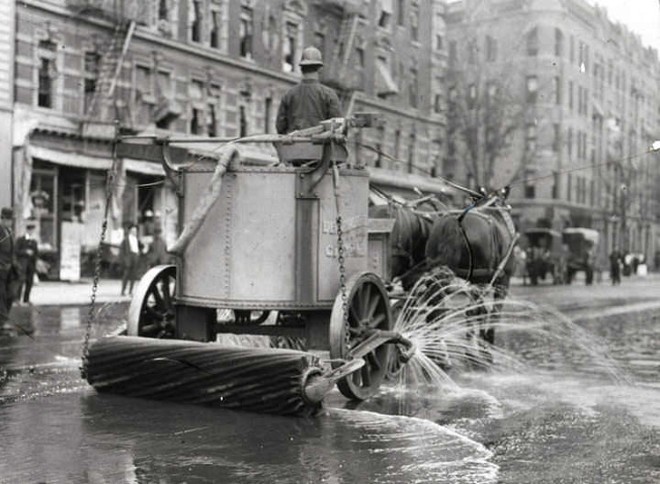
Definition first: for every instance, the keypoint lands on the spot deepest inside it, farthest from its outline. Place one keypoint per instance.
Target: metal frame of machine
(296, 240)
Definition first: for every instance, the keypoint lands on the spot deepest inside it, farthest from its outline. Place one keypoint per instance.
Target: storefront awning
(384, 83)
(144, 167)
(69, 159)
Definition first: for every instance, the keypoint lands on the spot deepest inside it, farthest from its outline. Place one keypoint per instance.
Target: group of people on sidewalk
(134, 255)
(18, 260)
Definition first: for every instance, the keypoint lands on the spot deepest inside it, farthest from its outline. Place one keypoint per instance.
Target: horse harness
(471, 271)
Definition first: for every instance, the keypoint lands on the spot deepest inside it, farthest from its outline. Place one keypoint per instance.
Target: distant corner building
(578, 90)
(200, 68)
(580, 96)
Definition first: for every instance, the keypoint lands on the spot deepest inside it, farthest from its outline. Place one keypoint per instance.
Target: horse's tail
(446, 242)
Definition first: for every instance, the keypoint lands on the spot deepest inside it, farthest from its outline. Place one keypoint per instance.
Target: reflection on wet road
(548, 424)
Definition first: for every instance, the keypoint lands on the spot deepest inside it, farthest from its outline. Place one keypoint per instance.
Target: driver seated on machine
(310, 102)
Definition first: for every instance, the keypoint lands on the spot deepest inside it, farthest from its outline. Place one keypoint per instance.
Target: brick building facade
(203, 68)
(584, 99)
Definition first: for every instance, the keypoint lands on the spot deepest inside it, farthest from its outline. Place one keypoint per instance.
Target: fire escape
(336, 73)
(105, 105)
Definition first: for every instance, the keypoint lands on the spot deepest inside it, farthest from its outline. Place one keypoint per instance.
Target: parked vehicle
(582, 246)
(545, 255)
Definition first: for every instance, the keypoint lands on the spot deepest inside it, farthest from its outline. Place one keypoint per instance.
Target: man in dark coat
(8, 271)
(310, 102)
(27, 253)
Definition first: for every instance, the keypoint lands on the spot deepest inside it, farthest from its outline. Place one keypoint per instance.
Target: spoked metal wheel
(394, 365)
(368, 308)
(151, 313)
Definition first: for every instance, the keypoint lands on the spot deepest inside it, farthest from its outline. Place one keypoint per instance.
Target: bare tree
(484, 117)
(487, 106)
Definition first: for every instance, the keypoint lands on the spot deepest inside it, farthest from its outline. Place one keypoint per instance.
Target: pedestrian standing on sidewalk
(8, 269)
(129, 254)
(26, 254)
(615, 267)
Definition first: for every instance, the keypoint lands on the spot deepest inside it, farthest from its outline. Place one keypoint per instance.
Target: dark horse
(476, 244)
(407, 240)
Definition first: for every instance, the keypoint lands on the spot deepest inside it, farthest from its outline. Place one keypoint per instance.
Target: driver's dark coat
(306, 105)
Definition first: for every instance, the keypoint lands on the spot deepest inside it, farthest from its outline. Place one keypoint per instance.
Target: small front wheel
(151, 313)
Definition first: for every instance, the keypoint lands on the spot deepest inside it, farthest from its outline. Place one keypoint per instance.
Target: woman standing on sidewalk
(129, 253)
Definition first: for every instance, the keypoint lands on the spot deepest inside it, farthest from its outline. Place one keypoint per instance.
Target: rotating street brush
(283, 382)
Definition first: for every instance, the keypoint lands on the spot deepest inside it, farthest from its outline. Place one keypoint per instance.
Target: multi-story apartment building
(214, 68)
(562, 104)
(7, 16)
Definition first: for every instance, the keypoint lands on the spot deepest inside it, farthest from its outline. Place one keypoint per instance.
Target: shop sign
(72, 233)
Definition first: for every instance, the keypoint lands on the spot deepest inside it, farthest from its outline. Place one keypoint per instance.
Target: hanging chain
(98, 256)
(341, 252)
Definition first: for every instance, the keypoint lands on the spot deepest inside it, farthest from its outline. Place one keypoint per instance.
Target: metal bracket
(308, 180)
(171, 172)
(378, 337)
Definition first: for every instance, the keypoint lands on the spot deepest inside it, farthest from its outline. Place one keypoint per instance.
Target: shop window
(43, 198)
(72, 183)
(246, 32)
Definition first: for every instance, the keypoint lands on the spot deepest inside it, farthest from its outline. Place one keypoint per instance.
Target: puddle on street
(545, 423)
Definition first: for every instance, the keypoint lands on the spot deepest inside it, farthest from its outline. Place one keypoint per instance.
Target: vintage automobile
(582, 246)
(545, 255)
